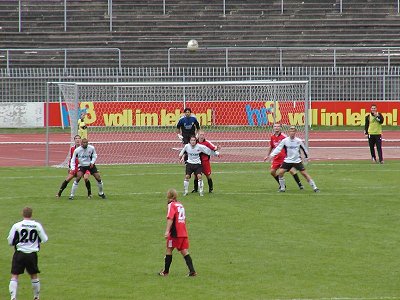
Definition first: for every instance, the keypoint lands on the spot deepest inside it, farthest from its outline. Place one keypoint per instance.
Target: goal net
(136, 122)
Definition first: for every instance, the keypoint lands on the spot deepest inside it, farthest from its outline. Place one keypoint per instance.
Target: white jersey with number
(194, 153)
(85, 156)
(292, 148)
(26, 236)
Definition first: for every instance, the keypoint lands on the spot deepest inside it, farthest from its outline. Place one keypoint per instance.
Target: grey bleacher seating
(144, 33)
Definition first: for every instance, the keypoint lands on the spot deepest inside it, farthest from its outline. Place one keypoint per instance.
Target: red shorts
(276, 163)
(74, 172)
(180, 243)
(206, 167)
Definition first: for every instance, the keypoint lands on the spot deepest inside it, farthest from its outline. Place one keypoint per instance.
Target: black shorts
(92, 171)
(287, 166)
(22, 261)
(193, 168)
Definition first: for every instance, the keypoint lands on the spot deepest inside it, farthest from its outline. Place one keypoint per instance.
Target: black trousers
(375, 139)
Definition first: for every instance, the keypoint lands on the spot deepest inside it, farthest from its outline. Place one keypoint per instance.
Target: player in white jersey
(193, 163)
(26, 236)
(293, 147)
(86, 156)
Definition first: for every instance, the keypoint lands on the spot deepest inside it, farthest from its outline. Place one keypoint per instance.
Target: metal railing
(164, 4)
(55, 51)
(334, 54)
(346, 84)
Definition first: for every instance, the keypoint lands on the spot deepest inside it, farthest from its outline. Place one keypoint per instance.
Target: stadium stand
(144, 30)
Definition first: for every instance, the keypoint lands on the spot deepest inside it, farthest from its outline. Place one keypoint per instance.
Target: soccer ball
(192, 45)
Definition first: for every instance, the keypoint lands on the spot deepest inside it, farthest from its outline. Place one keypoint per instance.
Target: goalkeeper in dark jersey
(187, 126)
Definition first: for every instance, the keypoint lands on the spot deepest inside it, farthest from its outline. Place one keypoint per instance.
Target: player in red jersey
(205, 161)
(72, 174)
(276, 138)
(176, 234)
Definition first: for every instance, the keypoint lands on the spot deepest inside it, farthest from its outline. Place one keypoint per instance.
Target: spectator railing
(7, 53)
(331, 52)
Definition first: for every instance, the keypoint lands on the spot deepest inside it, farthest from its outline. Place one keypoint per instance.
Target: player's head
(277, 128)
(84, 143)
(187, 112)
(77, 140)
(83, 114)
(292, 131)
(373, 108)
(202, 136)
(27, 212)
(171, 195)
(193, 140)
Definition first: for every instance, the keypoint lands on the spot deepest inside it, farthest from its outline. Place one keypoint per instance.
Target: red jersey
(203, 156)
(274, 142)
(176, 213)
(71, 152)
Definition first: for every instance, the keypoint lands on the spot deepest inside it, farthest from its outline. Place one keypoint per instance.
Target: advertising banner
(241, 113)
(256, 113)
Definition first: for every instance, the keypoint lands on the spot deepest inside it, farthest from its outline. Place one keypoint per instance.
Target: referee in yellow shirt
(373, 128)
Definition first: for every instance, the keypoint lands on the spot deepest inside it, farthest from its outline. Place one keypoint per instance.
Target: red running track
(30, 149)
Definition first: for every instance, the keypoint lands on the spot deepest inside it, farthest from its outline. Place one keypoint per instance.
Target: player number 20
(28, 236)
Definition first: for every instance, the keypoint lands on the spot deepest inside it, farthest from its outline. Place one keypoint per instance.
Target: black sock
(189, 263)
(196, 184)
(168, 261)
(62, 187)
(210, 184)
(88, 187)
(277, 180)
(297, 179)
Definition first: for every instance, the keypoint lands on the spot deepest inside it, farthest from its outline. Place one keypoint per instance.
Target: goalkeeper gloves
(180, 136)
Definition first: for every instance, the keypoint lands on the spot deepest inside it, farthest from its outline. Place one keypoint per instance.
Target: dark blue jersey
(188, 125)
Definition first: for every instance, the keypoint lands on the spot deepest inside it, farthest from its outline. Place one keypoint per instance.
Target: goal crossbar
(185, 83)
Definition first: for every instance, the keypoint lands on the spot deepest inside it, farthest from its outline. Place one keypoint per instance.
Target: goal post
(136, 122)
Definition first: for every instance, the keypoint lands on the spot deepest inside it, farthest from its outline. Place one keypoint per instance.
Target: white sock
(13, 288)
(74, 187)
(201, 186)
(100, 186)
(186, 185)
(282, 184)
(35, 287)
(312, 183)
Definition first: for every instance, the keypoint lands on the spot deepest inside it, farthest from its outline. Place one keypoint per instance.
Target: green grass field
(247, 240)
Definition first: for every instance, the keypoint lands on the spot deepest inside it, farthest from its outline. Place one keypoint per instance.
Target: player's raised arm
(206, 150)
